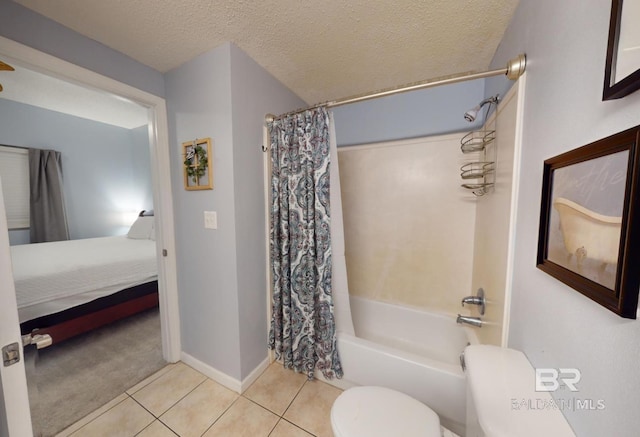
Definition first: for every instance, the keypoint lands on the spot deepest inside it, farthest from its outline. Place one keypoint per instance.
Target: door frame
(12, 51)
(15, 417)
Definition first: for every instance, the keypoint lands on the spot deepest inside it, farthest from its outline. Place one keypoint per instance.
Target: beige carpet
(69, 380)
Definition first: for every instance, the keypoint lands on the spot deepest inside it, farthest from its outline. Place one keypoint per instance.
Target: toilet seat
(378, 411)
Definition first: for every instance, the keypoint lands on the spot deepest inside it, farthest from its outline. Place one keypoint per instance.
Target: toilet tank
(502, 400)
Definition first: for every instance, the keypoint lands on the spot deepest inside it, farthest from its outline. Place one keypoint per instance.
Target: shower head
(472, 113)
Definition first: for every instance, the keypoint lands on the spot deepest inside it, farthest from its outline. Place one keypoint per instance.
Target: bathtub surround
(339, 280)
(415, 237)
(302, 330)
(495, 222)
(409, 226)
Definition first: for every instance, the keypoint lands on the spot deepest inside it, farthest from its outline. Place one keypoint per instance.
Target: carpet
(69, 380)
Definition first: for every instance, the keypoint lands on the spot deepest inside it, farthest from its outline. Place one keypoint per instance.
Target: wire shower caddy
(480, 175)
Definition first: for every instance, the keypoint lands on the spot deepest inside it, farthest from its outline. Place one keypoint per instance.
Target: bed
(69, 287)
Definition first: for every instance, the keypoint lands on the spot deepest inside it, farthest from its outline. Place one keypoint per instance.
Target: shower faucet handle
(478, 299)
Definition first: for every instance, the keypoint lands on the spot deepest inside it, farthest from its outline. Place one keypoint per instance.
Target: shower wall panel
(495, 225)
(409, 226)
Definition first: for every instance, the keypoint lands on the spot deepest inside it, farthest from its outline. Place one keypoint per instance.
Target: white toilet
(501, 400)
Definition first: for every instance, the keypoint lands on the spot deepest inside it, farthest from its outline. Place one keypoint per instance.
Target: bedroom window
(14, 172)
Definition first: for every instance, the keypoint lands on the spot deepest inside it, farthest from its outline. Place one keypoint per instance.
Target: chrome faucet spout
(473, 321)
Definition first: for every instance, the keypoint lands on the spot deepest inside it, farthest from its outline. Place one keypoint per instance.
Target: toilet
(500, 403)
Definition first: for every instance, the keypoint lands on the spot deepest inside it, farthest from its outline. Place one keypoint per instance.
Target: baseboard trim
(218, 376)
(221, 377)
(255, 374)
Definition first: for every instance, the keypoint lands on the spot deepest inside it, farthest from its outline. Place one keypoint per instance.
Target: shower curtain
(302, 331)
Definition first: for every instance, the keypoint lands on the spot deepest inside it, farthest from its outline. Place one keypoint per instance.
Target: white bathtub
(412, 351)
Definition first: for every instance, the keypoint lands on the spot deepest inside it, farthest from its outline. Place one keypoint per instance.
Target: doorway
(26, 57)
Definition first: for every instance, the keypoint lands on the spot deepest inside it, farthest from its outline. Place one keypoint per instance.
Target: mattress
(51, 277)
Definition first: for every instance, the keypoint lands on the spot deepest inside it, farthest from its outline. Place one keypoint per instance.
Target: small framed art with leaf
(197, 164)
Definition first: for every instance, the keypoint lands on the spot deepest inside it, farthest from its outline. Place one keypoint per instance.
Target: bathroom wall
(415, 114)
(223, 94)
(555, 326)
(409, 225)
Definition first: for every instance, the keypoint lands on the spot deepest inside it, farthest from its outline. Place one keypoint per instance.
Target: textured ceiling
(321, 50)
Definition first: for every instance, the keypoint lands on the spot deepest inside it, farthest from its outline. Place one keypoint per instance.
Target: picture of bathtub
(587, 233)
(591, 241)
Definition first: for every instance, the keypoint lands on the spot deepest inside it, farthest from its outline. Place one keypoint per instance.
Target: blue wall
(433, 111)
(106, 168)
(555, 326)
(254, 93)
(223, 94)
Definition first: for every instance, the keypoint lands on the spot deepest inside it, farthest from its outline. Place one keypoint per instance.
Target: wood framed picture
(197, 164)
(589, 235)
(622, 69)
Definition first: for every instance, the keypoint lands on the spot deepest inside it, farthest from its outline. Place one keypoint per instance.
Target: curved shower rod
(514, 69)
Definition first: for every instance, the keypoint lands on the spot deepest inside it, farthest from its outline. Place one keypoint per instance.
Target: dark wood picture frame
(621, 296)
(616, 89)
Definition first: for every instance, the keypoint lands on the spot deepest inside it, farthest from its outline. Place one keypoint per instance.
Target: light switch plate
(210, 220)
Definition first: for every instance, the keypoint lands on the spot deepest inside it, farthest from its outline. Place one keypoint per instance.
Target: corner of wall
(254, 93)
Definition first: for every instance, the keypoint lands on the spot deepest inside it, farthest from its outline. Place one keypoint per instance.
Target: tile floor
(180, 401)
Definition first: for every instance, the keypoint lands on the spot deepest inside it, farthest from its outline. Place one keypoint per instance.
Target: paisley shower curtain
(302, 322)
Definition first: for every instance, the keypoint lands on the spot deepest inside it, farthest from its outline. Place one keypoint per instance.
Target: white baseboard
(255, 374)
(222, 378)
(218, 376)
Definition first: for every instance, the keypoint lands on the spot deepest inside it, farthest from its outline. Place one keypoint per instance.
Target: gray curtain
(48, 216)
(302, 330)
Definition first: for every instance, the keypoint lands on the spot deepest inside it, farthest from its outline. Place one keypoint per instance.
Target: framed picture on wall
(197, 164)
(622, 70)
(589, 235)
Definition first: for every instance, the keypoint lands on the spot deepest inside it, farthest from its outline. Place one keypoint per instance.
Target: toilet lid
(379, 411)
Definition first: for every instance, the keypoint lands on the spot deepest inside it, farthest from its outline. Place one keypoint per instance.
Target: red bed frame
(78, 320)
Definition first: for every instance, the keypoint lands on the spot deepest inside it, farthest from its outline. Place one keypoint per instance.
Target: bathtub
(588, 234)
(412, 351)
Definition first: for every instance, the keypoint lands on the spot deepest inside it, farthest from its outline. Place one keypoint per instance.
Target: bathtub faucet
(473, 321)
(473, 300)
(478, 299)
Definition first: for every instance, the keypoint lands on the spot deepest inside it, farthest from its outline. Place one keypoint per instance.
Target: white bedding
(51, 277)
